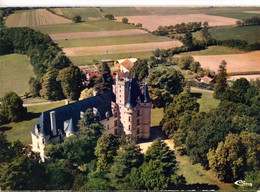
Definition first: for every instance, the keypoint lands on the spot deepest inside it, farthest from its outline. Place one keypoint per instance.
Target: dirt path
(114, 49)
(96, 34)
(203, 90)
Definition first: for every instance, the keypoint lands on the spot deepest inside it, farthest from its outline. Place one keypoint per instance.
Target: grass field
(21, 130)
(87, 60)
(15, 72)
(215, 50)
(206, 100)
(248, 33)
(98, 25)
(236, 15)
(117, 40)
(85, 13)
(34, 17)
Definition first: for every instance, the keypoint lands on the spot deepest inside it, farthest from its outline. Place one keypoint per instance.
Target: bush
(124, 20)
(110, 16)
(76, 18)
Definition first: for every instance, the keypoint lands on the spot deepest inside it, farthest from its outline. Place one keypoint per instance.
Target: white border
(125, 3)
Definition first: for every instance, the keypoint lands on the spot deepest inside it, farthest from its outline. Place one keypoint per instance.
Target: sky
(111, 3)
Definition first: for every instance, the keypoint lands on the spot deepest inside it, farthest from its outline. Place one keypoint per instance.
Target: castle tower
(134, 108)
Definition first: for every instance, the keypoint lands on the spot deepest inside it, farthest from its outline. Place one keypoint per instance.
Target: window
(138, 121)
(42, 141)
(115, 122)
(138, 131)
(120, 90)
(115, 114)
(129, 119)
(119, 95)
(129, 127)
(115, 131)
(138, 112)
(107, 127)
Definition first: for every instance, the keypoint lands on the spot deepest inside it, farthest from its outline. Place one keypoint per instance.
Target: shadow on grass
(197, 95)
(199, 187)
(4, 128)
(31, 116)
(155, 132)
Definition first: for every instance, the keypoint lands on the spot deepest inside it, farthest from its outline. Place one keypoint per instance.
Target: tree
(188, 40)
(228, 159)
(61, 61)
(139, 70)
(163, 85)
(241, 84)
(86, 93)
(71, 83)
(195, 67)
(124, 20)
(35, 87)
(205, 34)
(105, 151)
(51, 88)
(12, 108)
(76, 18)
(110, 16)
(185, 62)
(105, 82)
(221, 81)
(128, 156)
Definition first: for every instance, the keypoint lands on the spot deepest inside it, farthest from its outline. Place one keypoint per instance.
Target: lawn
(87, 60)
(248, 33)
(117, 40)
(98, 25)
(215, 50)
(15, 72)
(205, 100)
(195, 174)
(156, 116)
(21, 130)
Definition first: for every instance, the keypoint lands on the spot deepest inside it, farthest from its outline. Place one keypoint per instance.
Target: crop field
(247, 62)
(257, 12)
(125, 48)
(249, 33)
(21, 130)
(96, 34)
(215, 50)
(15, 72)
(86, 13)
(118, 40)
(152, 22)
(248, 77)
(96, 25)
(34, 17)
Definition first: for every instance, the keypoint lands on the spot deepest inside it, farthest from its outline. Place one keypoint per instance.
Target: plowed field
(96, 34)
(235, 63)
(126, 48)
(152, 22)
(34, 17)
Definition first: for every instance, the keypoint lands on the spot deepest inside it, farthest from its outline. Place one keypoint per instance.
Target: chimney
(53, 123)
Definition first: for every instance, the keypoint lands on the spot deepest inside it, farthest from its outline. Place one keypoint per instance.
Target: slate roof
(73, 111)
(133, 94)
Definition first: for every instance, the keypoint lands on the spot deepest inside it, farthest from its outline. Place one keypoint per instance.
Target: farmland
(86, 13)
(97, 25)
(117, 40)
(246, 62)
(15, 72)
(248, 33)
(125, 48)
(34, 18)
(96, 34)
(165, 20)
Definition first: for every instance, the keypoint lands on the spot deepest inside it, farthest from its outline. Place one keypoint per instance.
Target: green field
(85, 12)
(236, 15)
(116, 40)
(15, 72)
(206, 100)
(87, 60)
(98, 25)
(21, 130)
(215, 50)
(248, 33)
